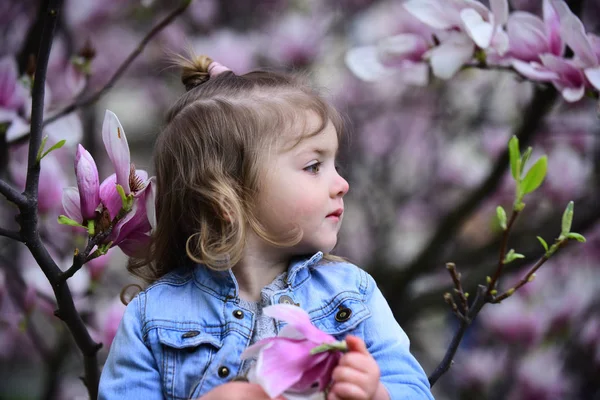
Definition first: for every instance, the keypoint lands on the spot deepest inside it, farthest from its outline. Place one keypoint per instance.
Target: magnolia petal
(86, 173)
(320, 373)
(500, 42)
(151, 202)
(570, 74)
(448, 58)
(477, 28)
(526, 35)
(398, 48)
(70, 203)
(300, 320)
(116, 235)
(109, 195)
(573, 33)
(254, 350)
(363, 62)
(571, 94)
(552, 28)
(432, 13)
(534, 71)
(500, 11)
(593, 76)
(137, 223)
(117, 148)
(275, 373)
(135, 244)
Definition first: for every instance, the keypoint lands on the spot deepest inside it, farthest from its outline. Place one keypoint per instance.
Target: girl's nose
(340, 187)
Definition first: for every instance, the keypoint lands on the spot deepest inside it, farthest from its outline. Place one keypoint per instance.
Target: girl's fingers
(356, 344)
(348, 374)
(360, 362)
(346, 390)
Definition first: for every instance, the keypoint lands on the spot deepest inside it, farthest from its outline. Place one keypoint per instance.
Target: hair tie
(215, 68)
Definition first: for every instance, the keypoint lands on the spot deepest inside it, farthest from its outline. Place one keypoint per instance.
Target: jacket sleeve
(401, 374)
(130, 371)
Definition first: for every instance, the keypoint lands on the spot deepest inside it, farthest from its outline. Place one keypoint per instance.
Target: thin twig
(444, 365)
(12, 194)
(494, 280)
(123, 67)
(528, 277)
(458, 287)
(80, 258)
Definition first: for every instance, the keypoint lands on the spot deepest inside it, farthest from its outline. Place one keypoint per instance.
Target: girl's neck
(259, 266)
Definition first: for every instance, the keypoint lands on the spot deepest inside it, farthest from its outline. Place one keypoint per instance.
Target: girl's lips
(336, 214)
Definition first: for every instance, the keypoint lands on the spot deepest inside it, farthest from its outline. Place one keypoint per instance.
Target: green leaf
(514, 155)
(58, 145)
(543, 242)
(41, 149)
(535, 176)
(501, 217)
(511, 256)
(576, 236)
(525, 156)
(567, 219)
(64, 220)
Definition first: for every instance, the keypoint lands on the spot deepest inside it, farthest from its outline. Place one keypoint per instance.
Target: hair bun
(195, 71)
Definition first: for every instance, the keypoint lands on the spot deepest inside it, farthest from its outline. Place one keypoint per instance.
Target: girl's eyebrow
(320, 151)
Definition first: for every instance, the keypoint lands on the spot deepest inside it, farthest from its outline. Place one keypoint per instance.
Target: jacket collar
(222, 284)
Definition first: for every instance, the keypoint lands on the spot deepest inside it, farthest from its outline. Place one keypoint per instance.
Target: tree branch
(29, 218)
(446, 362)
(12, 194)
(492, 284)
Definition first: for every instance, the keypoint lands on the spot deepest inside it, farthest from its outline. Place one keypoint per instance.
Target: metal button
(190, 334)
(287, 300)
(343, 314)
(223, 372)
(239, 314)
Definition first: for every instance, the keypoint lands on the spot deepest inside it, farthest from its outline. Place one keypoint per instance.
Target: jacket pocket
(340, 315)
(186, 354)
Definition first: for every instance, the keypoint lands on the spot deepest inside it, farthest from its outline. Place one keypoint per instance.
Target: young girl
(249, 204)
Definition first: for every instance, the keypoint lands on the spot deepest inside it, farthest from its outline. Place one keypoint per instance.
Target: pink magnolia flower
(403, 51)
(103, 203)
(529, 36)
(464, 25)
(285, 363)
(570, 76)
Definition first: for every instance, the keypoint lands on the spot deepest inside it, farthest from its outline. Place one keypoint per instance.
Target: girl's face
(302, 189)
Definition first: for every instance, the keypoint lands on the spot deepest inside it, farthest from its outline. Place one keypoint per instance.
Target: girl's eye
(314, 168)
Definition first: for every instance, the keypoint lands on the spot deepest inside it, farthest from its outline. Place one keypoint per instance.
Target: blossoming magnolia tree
(434, 182)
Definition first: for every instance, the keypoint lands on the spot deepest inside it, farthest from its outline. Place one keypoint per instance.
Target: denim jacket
(184, 334)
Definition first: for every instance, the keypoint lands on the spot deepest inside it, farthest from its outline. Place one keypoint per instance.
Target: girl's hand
(237, 391)
(357, 375)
